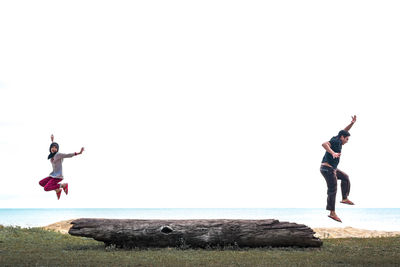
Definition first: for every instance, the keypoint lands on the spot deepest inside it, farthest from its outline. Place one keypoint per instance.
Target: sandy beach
(323, 233)
(345, 232)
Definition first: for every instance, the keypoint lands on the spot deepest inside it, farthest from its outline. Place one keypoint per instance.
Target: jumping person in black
(331, 173)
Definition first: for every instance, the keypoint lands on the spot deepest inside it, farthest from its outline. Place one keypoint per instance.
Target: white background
(198, 103)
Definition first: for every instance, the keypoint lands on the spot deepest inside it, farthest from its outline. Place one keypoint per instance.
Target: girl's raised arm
(82, 149)
(69, 155)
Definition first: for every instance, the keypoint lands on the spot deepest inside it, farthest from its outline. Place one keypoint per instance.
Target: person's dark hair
(343, 133)
(53, 154)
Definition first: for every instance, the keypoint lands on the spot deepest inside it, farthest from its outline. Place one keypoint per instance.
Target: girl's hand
(52, 138)
(82, 149)
(353, 119)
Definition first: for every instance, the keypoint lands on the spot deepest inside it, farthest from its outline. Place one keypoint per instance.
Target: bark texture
(130, 233)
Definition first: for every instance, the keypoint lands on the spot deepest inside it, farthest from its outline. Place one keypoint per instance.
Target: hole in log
(166, 230)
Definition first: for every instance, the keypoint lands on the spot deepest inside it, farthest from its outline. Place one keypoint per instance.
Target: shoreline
(320, 232)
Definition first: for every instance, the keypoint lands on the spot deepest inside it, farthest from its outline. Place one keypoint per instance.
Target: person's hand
(82, 149)
(335, 155)
(52, 138)
(353, 119)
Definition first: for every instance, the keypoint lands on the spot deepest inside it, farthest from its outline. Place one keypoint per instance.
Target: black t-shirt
(336, 146)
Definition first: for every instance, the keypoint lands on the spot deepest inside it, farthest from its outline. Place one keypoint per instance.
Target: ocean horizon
(383, 219)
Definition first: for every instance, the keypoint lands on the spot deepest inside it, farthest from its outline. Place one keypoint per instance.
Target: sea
(383, 219)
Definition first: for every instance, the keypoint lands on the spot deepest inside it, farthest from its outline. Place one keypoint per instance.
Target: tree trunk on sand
(195, 233)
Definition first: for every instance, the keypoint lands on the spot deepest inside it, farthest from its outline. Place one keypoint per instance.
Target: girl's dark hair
(343, 133)
(53, 154)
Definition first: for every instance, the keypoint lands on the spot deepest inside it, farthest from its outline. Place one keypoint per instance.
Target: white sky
(198, 103)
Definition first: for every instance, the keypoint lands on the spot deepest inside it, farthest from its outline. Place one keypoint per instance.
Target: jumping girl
(52, 182)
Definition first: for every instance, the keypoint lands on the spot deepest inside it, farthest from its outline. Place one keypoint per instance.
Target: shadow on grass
(94, 247)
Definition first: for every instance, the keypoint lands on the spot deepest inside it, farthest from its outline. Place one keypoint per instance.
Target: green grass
(38, 247)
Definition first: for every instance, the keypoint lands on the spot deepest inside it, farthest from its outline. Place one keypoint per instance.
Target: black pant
(331, 175)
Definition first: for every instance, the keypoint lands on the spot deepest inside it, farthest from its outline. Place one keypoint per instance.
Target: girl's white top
(56, 162)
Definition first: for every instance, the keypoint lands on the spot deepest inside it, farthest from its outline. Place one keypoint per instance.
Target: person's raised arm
(82, 149)
(353, 120)
(327, 147)
(69, 155)
(52, 138)
(78, 153)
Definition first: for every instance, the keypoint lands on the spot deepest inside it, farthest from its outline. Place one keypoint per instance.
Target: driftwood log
(130, 233)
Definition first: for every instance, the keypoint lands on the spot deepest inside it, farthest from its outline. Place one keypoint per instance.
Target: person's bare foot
(58, 192)
(65, 188)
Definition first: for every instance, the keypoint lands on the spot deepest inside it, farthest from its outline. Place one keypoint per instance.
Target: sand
(322, 233)
(61, 227)
(351, 232)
